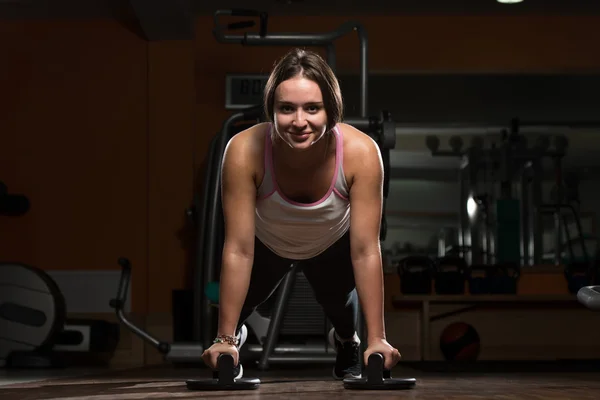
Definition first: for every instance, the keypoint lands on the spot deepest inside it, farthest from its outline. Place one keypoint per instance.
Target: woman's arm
(366, 204)
(238, 199)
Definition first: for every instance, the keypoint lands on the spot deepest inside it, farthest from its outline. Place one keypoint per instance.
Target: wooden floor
(316, 383)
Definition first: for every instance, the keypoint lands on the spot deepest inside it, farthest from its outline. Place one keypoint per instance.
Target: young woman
(303, 187)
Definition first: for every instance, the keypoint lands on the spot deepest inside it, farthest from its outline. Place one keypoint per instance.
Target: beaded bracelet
(231, 340)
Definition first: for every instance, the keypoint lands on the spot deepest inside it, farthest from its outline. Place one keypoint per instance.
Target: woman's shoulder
(356, 143)
(248, 144)
(252, 138)
(255, 133)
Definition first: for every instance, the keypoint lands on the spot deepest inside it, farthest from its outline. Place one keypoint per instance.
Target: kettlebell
(450, 275)
(479, 280)
(416, 275)
(578, 275)
(504, 278)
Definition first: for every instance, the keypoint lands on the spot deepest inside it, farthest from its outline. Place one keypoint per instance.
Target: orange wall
(103, 131)
(74, 140)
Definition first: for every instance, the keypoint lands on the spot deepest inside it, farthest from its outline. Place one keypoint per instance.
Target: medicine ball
(459, 341)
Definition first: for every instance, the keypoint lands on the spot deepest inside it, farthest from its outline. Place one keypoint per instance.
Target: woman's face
(300, 117)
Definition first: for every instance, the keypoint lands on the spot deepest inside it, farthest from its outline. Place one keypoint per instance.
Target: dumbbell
(225, 379)
(378, 378)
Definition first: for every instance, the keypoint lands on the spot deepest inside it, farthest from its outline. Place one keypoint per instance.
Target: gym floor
(533, 382)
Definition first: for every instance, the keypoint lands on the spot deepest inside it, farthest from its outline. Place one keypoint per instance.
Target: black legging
(330, 275)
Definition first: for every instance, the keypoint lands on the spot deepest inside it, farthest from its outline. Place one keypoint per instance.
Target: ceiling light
(509, 1)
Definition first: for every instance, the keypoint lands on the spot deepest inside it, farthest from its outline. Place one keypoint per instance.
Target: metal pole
(475, 218)
(300, 39)
(538, 215)
(362, 124)
(201, 209)
(525, 216)
(364, 89)
(331, 57)
(462, 212)
(285, 290)
(558, 221)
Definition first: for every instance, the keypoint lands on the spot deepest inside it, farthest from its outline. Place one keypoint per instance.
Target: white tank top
(302, 230)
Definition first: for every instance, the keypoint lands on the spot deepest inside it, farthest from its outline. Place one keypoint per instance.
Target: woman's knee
(337, 299)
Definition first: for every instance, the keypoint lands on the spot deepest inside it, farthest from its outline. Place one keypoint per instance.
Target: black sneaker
(347, 360)
(238, 370)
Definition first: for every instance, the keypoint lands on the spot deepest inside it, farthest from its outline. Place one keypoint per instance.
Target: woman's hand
(391, 356)
(211, 355)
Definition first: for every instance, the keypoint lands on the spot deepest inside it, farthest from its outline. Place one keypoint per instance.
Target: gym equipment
(478, 278)
(493, 279)
(450, 275)
(183, 352)
(502, 214)
(486, 179)
(377, 378)
(177, 352)
(35, 330)
(212, 291)
(208, 214)
(263, 38)
(503, 278)
(224, 380)
(416, 275)
(578, 276)
(589, 296)
(580, 270)
(32, 314)
(460, 341)
(561, 221)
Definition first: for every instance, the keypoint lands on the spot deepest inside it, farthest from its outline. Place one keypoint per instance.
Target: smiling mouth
(299, 137)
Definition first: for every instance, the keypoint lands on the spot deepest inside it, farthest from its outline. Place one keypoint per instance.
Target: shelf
(485, 298)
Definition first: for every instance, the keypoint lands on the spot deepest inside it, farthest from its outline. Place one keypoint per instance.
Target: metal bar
(463, 218)
(364, 88)
(555, 209)
(302, 39)
(291, 350)
(362, 124)
(537, 231)
(302, 359)
(160, 346)
(568, 238)
(427, 128)
(185, 352)
(200, 211)
(331, 60)
(525, 216)
(277, 315)
(119, 302)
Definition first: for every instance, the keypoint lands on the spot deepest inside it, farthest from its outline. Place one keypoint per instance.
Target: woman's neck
(302, 159)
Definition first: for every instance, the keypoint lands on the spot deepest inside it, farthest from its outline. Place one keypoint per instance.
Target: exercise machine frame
(518, 173)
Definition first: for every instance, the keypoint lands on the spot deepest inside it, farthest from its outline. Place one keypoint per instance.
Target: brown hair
(311, 66)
